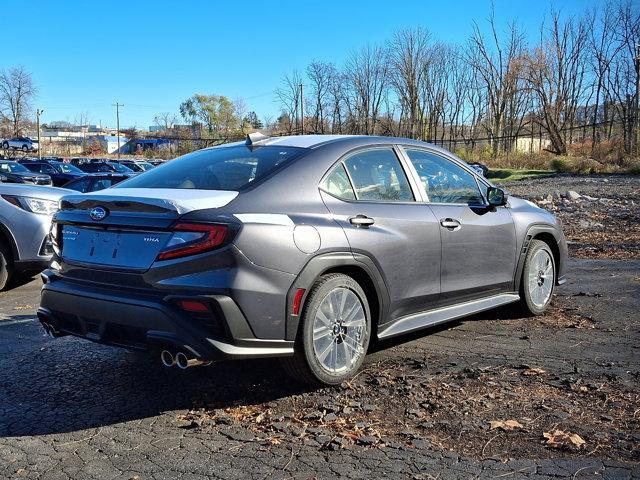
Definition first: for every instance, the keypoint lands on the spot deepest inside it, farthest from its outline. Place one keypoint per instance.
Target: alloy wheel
(339, 329)
(540, 278)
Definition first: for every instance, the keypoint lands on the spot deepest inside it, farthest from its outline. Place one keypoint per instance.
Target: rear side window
(377, 175)
(337, 184)
(102, 184)
(81, 186)
(226, 168)
(444, 180)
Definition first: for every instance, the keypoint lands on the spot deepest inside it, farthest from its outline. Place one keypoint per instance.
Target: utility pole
(118, 105)
(301, 109)
(38, 113)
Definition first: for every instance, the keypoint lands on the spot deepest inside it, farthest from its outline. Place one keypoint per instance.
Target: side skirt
(417, 321)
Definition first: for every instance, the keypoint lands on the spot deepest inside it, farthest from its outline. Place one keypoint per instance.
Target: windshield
(13, 168)
(68, 168)
(145, 165)
(120, 168)
(225, 168)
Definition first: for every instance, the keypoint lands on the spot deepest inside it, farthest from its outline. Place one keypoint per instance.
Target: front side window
(225, 168)
(377, 175)
(444, 180)
(337, 183)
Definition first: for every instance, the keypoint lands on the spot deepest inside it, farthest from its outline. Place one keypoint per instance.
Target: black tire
(528, 303)
(304, 365)
(25, 149)
(6, 266)
(5, 145)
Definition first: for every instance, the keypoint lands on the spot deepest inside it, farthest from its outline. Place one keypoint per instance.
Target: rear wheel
(5, 145)
(334, 334)
(6, 266)
(25, 148)
(538, 278)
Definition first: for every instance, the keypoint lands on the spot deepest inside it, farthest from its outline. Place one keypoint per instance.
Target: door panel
(371, 197)
(478, 241)
(478, 257)
(404, 241)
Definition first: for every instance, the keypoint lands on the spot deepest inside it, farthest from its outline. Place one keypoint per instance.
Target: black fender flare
(6, 233)
(533, 231)
(321, 264)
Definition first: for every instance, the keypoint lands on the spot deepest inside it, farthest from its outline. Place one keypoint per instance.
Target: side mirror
(496, 197)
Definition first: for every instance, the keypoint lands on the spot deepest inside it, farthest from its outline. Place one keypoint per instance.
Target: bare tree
(555, 75)
(320, 75)
(498, 65)
(17, 92)
(409, 53)
(289, 95)
(621, 73)
(367, 72)
(165, 120)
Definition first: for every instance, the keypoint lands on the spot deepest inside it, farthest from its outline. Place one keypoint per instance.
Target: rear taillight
(193, 238)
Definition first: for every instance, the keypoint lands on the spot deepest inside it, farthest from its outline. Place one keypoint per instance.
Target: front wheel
(5, 145)
(538, 278)
(334, 334)
(25, 149)
(6, 266)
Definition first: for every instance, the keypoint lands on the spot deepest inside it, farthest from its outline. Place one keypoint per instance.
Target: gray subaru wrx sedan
(306, 248)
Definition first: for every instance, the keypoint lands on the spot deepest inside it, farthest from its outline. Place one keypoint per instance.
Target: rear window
(226, 168)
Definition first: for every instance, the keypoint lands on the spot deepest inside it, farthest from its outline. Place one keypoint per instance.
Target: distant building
(531, 145)
(109, 143)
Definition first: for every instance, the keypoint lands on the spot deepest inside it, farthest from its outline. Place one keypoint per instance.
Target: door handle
(450, 223)
(361, 221)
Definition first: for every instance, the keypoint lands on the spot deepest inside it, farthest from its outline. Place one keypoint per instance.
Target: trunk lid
(125, 228)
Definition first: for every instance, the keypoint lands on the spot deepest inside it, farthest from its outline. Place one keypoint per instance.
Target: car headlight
(32, 204)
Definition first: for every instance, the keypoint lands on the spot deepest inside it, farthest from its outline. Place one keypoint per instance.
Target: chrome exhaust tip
(184, 362)
(167, 358)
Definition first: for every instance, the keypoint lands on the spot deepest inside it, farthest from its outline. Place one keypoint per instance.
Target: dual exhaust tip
(180, 360)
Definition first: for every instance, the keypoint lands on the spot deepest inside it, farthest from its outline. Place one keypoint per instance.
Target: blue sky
(151, 55)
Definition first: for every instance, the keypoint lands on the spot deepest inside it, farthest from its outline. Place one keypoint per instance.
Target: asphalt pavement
(73, 409)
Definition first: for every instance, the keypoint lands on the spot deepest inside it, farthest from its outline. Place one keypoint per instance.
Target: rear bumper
(152, 322)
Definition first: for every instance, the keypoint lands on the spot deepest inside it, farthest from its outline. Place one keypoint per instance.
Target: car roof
(314, 141)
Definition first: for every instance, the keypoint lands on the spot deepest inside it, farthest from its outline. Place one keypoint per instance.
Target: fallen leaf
(562, 439)
(533, 371)
(505, 424)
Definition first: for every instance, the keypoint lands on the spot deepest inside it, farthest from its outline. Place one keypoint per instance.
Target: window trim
(416, 194)
(329, 173)
(455, 161)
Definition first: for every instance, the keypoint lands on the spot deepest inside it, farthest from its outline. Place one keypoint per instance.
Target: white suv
(25, 218)
(25, 144)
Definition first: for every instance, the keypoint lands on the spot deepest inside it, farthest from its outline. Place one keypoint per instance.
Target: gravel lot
(604, 222)
(493, 396)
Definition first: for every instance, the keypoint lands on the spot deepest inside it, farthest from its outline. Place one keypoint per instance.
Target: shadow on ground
(68, 384)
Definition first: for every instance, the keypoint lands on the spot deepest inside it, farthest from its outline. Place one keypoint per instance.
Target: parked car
(103, 167)
(60, 172)
(137, 166)
(480, 168)
(155, 162)
(14, 172)
(25, 219)
(304, 247)
(93, 182)
(25, 144)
